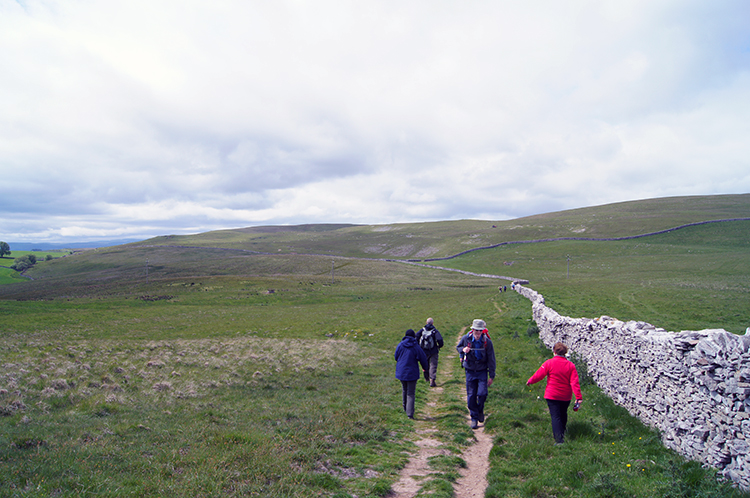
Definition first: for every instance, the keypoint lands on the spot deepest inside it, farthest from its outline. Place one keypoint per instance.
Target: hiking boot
(432, 383)
(474, 423)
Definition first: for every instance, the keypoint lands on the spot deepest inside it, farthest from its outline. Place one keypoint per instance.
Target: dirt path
(473, 480)
(414, 475)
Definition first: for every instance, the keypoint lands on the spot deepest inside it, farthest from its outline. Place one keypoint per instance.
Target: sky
(137, 118)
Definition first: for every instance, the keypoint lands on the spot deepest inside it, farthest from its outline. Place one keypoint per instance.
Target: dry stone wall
(693, 386)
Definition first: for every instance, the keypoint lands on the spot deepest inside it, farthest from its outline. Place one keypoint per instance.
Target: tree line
(22, 263)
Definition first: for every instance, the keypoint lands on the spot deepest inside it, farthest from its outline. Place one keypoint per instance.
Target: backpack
(427, 339)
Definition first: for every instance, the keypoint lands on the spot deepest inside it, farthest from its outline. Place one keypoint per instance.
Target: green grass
(706, 268)
(222, 388)
(272, 435)
(145, 371)
(9, 276)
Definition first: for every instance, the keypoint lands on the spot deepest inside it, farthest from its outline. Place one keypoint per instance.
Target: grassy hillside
(152, 370)
(440, 239)
(691, 279)
(706, 265)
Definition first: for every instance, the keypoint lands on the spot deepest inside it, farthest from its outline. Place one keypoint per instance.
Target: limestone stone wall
(693, 386)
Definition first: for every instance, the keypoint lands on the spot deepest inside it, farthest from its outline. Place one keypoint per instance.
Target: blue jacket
(408, 358)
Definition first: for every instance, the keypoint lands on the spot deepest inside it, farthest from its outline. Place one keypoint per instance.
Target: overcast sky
(137, 118)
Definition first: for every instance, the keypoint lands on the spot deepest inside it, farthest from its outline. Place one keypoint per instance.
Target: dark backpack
(427, 339)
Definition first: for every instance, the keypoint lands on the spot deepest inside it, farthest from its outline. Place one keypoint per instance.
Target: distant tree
(20, 264)
(4, 249)
(24, 262)
(48, 257)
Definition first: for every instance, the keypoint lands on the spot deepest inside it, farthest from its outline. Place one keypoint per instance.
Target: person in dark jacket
(430, 341)
(478, 359)
(409, 356)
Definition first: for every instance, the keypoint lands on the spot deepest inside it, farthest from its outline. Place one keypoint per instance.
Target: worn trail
(417, 472)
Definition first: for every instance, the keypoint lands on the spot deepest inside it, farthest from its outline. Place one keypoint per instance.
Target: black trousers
(558, 412)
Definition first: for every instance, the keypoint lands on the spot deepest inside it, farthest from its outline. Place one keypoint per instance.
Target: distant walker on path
(430, 341)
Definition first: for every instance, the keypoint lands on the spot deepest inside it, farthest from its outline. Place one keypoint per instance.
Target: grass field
(221, 388)
(9, 276)
(149, 371)
(705, 269)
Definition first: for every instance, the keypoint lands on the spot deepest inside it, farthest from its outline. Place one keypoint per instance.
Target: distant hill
(444, 238)
(30, 246)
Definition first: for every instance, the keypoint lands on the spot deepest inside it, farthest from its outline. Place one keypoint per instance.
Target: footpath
(450, 389)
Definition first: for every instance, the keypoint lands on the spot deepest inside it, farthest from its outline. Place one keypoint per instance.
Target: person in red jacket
(562, 383)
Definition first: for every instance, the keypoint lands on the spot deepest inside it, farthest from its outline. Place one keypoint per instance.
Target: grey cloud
(246, 113)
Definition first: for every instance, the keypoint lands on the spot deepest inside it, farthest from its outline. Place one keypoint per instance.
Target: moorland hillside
(259, 362)
(118, 270)
(445, 238)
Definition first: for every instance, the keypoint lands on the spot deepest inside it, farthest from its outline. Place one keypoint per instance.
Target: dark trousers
(408, 393)
(476, 393)
(558, 412)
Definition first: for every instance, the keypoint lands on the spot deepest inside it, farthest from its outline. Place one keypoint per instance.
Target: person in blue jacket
(409, 356)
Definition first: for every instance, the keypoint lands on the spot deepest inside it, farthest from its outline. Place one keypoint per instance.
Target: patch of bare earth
(418, 469)
(473, 480)
(401, 251)
(427, 252)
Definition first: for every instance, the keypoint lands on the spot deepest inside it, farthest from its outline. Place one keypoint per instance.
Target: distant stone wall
(693, 386)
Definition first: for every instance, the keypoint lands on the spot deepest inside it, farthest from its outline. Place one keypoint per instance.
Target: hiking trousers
(433, 362)
(558, 412)
(408, 394)
(476, 393)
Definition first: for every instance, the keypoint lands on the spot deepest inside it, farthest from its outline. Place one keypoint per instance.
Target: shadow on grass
(580, 430)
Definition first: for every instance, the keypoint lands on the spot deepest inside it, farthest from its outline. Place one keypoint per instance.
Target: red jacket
(562, 379)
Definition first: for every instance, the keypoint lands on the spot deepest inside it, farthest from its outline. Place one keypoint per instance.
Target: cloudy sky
(137, 118)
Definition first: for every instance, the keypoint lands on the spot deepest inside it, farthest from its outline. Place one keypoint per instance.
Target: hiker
(478, 359)
(562, 383)
(430, 341)
(409, 356)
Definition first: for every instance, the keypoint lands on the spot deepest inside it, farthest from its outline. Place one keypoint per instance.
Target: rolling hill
(260, 360)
